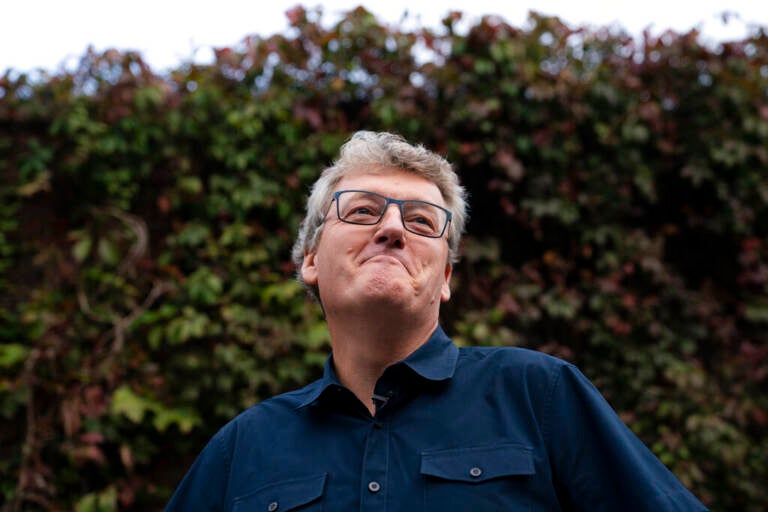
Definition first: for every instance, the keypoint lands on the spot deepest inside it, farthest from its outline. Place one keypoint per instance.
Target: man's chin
(385, 291)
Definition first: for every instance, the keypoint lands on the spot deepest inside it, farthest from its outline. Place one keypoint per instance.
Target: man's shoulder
(517, 356)
(275, 406)
(513, 364)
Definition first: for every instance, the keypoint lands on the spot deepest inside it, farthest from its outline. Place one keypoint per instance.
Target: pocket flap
(477, 464)
(282, 496)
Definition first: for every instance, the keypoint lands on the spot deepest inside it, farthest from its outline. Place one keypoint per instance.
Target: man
(402, 419)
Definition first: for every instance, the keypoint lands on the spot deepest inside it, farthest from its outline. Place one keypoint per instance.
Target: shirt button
(475, 472)
(272, 507)
(374, 486)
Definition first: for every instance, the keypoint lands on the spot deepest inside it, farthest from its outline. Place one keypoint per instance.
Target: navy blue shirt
(471, 429)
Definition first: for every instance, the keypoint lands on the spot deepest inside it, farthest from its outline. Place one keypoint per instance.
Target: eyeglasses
(368, 208)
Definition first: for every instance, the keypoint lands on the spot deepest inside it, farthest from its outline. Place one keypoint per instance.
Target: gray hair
(368, 152)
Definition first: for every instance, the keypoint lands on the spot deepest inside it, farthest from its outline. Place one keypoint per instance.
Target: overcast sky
(46, 34)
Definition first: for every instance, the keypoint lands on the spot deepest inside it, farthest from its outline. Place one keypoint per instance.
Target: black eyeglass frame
(399, 203)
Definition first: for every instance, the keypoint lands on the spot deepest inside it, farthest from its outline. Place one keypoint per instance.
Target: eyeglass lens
(422, 218)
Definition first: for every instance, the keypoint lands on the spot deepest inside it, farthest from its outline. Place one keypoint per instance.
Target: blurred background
(46, 34)
(154, 163)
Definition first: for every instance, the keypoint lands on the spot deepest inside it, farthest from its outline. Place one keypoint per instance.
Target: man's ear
(309, 268)
(445, 292)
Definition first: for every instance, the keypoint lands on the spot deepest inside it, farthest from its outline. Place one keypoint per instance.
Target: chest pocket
(478, 479)
(302, 494)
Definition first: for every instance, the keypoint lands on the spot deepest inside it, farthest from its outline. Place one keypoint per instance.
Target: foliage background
(619, 220)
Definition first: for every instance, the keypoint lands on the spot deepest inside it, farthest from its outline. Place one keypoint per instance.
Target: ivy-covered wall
(619, 195)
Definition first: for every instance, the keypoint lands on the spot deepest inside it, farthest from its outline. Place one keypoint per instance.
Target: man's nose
(390, 229)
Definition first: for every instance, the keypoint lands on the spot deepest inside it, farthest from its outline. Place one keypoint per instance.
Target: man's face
(383, 265)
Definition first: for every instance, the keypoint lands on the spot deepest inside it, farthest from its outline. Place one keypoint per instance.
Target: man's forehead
(394, 182)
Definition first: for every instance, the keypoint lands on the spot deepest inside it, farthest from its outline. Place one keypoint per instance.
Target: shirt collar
(435, 360)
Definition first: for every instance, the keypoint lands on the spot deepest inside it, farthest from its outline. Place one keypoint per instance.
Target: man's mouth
(386, 258)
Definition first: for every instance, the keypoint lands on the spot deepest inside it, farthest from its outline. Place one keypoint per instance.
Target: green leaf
(108, 251)
(193, 234)
(190, 184)
(184, 417)
(41, 183)
(191, 324)
(484, 67)
(12, 354)
(104, 501)
(644, 180)
(82, 248)
(204, 286)
(757, 312)
(125, 402)
(565, 211)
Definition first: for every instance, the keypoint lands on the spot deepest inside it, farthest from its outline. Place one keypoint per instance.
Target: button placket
(375, 467)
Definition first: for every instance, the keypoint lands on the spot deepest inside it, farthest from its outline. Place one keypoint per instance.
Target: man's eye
(361, 212)
(421, 221)
(420, 216)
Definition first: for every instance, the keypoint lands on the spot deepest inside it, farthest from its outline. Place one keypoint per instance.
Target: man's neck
(363, 349)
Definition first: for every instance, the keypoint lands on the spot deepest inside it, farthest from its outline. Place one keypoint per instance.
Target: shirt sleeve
(203, 487)
(598, 463)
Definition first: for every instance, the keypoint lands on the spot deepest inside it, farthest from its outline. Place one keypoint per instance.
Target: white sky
(46, 34)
